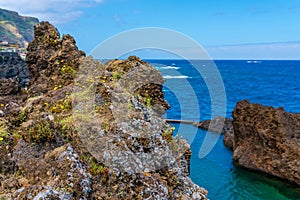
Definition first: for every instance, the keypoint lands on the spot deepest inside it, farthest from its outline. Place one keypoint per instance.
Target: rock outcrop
(52, 61)
(217, 125)
(267, 140)
(89, 130)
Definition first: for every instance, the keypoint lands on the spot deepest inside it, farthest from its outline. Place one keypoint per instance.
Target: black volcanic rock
(12, 66)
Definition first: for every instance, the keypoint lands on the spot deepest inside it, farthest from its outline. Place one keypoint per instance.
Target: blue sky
(240, 29)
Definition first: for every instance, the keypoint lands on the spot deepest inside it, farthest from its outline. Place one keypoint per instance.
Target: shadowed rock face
(12, 66)
(228, 139)
(267, 140)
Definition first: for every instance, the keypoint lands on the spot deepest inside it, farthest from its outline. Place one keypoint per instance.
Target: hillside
(15, 28)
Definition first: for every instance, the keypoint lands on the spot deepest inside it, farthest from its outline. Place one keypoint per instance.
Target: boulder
(267, 139)
(217, 125)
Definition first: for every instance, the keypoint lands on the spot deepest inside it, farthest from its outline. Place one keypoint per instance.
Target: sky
(227, 29)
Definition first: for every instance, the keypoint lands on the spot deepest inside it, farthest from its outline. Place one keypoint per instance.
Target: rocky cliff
(267, 140)
(88, 130)
(15, 28)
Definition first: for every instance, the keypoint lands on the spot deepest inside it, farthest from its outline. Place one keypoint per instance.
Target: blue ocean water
(272, 83)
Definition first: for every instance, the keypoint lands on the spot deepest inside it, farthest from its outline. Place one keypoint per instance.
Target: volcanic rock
(52, 61)
(267, 139)
(12, 66)
(217, 125)
(89, 130)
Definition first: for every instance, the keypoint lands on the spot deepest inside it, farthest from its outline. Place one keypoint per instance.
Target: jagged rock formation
(52, 61)
(267, 140)
(89, 130)
(15, 28)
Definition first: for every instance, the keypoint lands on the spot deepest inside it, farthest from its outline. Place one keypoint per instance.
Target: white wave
(168, 67)
(174, 77)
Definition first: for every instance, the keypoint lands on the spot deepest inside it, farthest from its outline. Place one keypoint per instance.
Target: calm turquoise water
(273, 83)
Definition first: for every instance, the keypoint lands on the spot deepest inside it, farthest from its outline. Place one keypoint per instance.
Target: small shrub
(43, 131)
(96, 168)
(22, 117)
(168, 135)
(68, 69)
(67, 128)
(3, 132)
(62, 106)
(117, 75)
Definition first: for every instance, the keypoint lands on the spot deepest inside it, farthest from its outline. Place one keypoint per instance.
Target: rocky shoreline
(91, 133)
(86, 130)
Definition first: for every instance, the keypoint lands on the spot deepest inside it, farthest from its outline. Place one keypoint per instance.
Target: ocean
(271, 83)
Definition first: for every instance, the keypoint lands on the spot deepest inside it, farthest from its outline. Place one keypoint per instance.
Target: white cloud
(55, 11)
(56, 17)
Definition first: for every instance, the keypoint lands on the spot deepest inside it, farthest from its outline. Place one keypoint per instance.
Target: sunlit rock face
(267, 140)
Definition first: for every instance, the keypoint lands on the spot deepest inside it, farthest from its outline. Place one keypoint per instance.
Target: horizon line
(249, 44)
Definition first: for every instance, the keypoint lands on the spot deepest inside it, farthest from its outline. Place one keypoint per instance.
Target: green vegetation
(67, 128)
(147, 101)
(61, 106)
(42, 131)
(68, 69)
(96, 168)
(168, 135)
(51, 38)
(117, 75)
(3, 132)
(22, 117)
